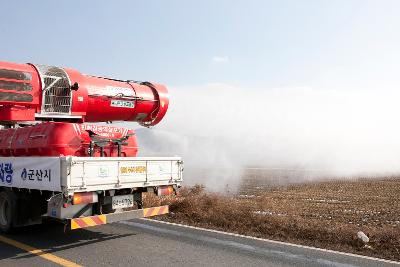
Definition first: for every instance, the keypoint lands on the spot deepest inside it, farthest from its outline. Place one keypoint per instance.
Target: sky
(309, 84)
(260, 44)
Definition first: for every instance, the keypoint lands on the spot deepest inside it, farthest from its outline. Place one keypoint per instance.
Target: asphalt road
(149, 243)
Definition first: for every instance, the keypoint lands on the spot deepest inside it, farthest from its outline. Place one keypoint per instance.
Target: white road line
(275, 242)
(294, 257)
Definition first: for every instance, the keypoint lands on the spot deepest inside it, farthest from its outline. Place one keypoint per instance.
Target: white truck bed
(82, 174)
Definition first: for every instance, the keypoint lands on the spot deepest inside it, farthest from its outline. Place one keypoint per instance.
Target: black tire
(106, 209)
(7, 210)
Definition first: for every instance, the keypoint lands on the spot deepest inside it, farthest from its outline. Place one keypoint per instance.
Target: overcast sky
(261, 44)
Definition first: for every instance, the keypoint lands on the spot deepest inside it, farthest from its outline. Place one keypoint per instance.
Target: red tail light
(165, 190)
(85, 198)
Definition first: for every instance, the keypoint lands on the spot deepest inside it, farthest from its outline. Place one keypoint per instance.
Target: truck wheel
(7, 210)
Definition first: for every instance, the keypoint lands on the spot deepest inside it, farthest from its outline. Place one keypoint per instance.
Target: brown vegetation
(325, 214)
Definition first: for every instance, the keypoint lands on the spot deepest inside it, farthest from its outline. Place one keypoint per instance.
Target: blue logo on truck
(6, 172)
(36, 174)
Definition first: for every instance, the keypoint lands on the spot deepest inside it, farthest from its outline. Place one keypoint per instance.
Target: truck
(60, 157)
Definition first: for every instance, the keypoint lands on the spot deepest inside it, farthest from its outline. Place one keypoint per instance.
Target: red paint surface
(92, 100)
(63, 139)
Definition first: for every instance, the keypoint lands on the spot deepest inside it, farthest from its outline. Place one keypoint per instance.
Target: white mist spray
(219, 130)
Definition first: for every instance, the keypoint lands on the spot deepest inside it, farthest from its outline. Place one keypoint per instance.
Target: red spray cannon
(31, 92)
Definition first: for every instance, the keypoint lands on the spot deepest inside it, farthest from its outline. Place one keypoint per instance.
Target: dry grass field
(322, 214)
